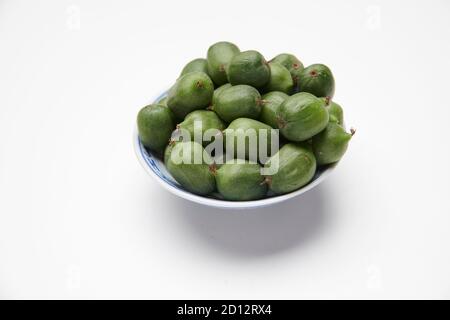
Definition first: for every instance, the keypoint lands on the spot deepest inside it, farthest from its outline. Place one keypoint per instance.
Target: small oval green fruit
(335, 110)
(217, 92)
(329, 146)
(241, 101)
(249, 67)
(296, 167)
(318, 80)
(240, 180)
(270, 107)
(280, 79)
(190, 165)
(207, 119)
(293, 64)
(191, 92)
(302, 116)
(155, 125)
(199, 64)
(219, 56)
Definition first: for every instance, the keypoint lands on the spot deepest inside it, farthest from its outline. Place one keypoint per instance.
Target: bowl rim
(218, 203)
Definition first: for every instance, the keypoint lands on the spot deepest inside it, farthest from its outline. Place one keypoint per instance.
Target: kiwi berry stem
(213, 168)
(267, 180)
(260, 102)
(281, 122)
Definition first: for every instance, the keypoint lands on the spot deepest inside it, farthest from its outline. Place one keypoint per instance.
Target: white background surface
(79, 218)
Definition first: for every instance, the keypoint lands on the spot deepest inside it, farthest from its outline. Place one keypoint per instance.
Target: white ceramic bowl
(155, 167)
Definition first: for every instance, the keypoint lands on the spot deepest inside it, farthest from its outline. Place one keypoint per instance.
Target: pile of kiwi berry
(234, 92)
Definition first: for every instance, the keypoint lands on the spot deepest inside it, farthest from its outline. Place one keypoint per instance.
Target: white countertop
(79, 218)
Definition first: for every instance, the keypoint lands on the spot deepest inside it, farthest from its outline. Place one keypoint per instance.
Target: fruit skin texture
(335, 110)
(209, 120)
(240, 181)
(219, 56)
(318, 80)
(196, 178)
(271, 105)
(280, 79)
(218, 91)
(302, 116)
(239, 101)
(297, 167)
(292, 63)
(198, 64)
(330, 145)
(249, 67)
(191, 92)
(245, 124)
(155, 124)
